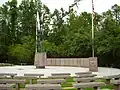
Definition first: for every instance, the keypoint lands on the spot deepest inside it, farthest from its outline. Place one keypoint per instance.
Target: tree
(77, 42)
(108, 38)
(8, 18)
(22, 53)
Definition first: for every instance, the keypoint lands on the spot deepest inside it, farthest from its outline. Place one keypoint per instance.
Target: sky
(84, 5)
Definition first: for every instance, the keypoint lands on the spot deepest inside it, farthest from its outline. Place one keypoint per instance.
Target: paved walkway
(20, 70)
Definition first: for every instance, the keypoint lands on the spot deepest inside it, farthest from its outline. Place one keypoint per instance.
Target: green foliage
(78, 41)
(49, 47)
(107, 39)
(22, 52)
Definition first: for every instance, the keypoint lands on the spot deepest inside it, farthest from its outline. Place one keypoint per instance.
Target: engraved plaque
(93, 66)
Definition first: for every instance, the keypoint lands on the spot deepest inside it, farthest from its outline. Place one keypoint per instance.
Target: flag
(93, 10)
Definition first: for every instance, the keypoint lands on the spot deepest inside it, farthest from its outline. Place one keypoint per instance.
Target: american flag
(93, 12)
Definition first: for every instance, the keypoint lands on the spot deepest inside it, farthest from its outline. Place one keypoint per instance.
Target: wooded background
(66, 34)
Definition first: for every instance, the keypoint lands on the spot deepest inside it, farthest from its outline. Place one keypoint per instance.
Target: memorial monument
(40, 55)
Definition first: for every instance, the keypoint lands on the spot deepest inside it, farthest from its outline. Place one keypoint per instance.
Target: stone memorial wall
(41, 61)
(90, 63)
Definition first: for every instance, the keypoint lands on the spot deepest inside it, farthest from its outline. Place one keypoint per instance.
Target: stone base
(93, 64)
(40, 60)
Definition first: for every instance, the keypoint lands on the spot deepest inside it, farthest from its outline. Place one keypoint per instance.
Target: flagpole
(37, 33)
(36, 37)
(93, 29)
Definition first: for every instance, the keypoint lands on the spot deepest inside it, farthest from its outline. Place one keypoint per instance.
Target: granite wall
(90, 63)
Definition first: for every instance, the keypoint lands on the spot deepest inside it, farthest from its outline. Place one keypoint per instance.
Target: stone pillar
(40, 60)
(93, 64)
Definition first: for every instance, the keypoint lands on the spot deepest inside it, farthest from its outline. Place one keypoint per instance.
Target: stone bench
(43, 87)
(50, 81)
(89, 79)
(31, 78)
(8, 74)
(31, 74)
(108, 78)
(6, 86)
(60, 77)
(116, 84)
(12, 81)
(60, 74)
(80, 73)
(86, 75)
(94, 85)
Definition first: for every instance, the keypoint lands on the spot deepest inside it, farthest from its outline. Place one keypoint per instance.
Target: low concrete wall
(90, 63)
(76, 62)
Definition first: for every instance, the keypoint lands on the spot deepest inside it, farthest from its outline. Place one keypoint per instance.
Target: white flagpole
(36, 36)
(38, 21)
(36, 32)
(93, 29)
(37, 29)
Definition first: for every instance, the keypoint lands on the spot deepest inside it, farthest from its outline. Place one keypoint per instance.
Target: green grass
(109, 86)
(68, 84)
(100, 80)
(70, 80)
(34, 81)
(22, 86)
